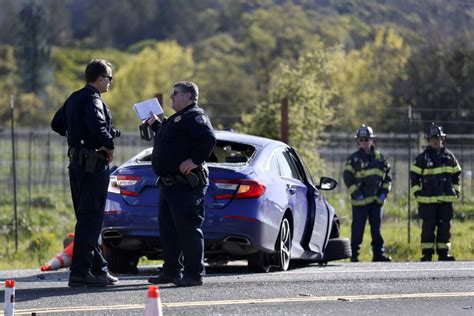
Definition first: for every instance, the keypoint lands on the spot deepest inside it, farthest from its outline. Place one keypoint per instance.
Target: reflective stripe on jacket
(367, 177)
(435, 177)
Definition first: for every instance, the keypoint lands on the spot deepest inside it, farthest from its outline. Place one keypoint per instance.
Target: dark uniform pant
(181, 215)
(89, 193)
(360, 214)
(436, 227)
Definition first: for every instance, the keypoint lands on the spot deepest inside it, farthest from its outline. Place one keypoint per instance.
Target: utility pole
(284, 121)
(159, 97)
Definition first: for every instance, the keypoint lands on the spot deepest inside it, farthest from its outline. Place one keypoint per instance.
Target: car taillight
(239, 189)
(122, 185)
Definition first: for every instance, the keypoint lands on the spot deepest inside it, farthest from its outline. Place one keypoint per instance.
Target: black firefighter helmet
(365, 132)
(434, 131)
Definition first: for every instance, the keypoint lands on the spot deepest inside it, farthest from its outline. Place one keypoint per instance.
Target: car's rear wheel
(259, 262)
(283, 247)
(120, 261)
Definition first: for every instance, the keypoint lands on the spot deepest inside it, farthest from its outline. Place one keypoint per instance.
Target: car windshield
(225, 152)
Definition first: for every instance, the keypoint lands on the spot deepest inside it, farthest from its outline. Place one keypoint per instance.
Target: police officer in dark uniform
(367, 177)
(435, 184)
(182, 143)
(86, 122)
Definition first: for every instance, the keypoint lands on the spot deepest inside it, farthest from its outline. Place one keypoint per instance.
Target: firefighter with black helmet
(435, 184)
(367, 177)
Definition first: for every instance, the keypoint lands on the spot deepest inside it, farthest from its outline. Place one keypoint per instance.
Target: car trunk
(137, 184)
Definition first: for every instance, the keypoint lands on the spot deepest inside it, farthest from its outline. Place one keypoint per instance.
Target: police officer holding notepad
(182, 143)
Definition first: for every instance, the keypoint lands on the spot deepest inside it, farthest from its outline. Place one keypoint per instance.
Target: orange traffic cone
(62, 260)
(9, 301)
(153, 302)
(69, 239)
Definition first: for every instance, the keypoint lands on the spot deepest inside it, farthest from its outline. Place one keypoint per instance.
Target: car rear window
(231, 153)
(224, 152)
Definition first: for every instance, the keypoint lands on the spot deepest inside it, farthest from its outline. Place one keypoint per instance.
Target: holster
(145, 131)
(198, 176)
(88, 159)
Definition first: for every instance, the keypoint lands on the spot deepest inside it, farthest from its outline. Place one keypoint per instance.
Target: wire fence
(399, 150)
(41, 163)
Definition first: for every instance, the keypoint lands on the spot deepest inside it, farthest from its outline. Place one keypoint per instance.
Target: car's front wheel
(283, 247)
(120, 261)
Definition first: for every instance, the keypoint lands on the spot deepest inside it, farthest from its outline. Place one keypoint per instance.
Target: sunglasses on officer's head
(363, 139)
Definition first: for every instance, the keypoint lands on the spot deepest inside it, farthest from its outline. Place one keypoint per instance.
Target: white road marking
(374, 270)
(342, 298)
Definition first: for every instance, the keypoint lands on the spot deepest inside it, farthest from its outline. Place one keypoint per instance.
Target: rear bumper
(226, 231)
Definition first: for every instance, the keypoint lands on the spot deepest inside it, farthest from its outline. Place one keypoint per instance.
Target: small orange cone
(153, 302)
(69, 239)
(9, 301)
(62, 260)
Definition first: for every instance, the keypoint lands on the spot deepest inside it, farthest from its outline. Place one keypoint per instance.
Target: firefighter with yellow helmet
(435, 184)
(367, 177)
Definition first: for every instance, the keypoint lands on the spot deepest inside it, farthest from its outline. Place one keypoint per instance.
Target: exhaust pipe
(237, 240)
(112, 234)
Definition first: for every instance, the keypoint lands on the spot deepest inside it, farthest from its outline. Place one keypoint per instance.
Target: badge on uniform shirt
(201, 119)
(99, 108)
(177, 119)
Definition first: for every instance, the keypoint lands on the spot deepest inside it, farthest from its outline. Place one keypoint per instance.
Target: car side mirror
(327, 184)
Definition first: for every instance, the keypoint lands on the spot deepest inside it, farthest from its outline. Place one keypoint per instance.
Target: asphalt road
(437, 288)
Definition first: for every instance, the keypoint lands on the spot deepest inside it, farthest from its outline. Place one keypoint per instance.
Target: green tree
(33, 50)
(311, 98)
(8, 80)
(439, 85)
(227, 89)
(153, 70)
(274, 35)
(366, 78)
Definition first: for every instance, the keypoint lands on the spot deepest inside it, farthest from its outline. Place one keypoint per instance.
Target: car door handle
(291, 188)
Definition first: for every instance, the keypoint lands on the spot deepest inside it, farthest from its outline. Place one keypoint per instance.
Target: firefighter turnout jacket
(367, 177)
(435, 176)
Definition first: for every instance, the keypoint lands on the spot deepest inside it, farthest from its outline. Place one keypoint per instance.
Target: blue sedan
(262, 205)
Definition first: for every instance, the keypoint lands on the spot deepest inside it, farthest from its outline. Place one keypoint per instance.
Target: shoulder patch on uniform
(201, 119)
(97, 103)
(99, 107)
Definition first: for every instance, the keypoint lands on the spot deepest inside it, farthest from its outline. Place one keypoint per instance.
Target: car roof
(247, 139)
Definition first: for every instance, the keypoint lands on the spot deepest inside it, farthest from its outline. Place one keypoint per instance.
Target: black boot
(427, 255)
(381, 258)
(444, 256)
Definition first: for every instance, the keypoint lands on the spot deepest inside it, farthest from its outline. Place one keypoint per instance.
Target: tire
(337, 249)
(283, 247)
(336, 227)
(120, 261)
(259, 262)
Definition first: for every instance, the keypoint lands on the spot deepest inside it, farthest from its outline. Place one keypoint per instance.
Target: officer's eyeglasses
(108, 77)
(175, 92)
(363, 140)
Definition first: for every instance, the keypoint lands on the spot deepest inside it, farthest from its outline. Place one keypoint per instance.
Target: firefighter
(367, 177)
(435, 185)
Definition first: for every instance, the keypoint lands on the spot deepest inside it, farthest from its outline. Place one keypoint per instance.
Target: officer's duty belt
(170, 180)
(75, 153)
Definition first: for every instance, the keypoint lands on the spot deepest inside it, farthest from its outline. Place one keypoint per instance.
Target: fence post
(462, 173)
(30, 157)
(409, 182)
(12, 106)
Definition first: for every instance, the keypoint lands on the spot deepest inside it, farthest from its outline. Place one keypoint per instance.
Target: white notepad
(143, 109)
